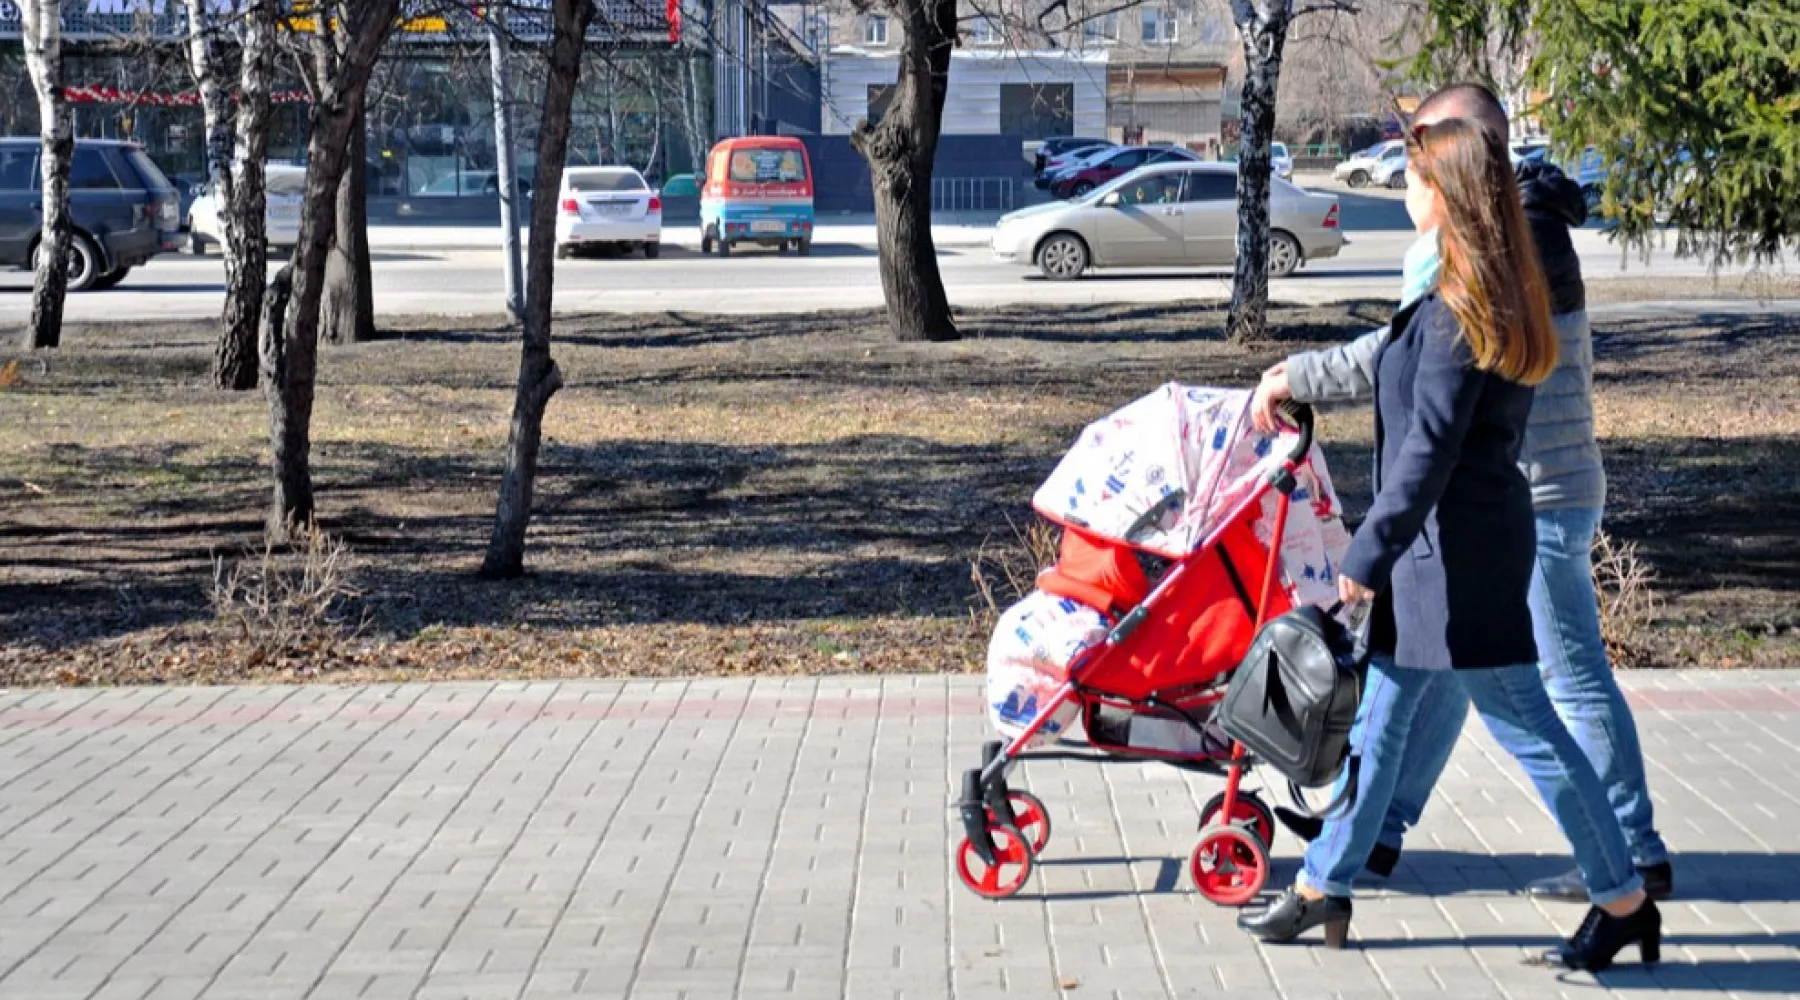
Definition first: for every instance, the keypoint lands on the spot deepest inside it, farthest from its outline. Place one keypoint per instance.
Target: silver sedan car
(1172, 215)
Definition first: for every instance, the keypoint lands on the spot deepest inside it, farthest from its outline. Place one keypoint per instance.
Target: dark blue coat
(1450, 541)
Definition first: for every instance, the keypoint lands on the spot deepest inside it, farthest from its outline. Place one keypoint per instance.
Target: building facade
(662, 80)
(1135, 72)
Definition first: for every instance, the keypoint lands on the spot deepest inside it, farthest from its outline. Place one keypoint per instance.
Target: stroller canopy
(1164, 473)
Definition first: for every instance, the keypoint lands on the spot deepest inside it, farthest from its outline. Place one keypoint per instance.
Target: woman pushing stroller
(1449, 548)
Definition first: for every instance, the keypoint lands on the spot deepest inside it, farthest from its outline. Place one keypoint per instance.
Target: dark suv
(123, 208)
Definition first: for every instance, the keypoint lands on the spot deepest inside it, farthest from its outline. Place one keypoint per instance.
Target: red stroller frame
(1006, 828)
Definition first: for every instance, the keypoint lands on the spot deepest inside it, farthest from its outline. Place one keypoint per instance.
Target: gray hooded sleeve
(1342, 374)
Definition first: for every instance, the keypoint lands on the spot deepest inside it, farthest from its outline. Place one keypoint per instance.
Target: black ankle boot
(1293, 915)
(1602, 936)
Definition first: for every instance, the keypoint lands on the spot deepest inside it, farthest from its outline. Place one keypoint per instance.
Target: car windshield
(286, 183)
(606, 180)
(1280, 149)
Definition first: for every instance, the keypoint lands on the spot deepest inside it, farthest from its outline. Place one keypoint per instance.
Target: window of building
(1100, 30)
(984, 31)
(88, 171)
(1037, 110)
(875, 29)
(1158, 26)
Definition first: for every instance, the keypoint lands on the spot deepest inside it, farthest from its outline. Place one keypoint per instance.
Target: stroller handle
(1302, 416)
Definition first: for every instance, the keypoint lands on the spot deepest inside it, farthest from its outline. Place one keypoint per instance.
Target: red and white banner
(174, 99)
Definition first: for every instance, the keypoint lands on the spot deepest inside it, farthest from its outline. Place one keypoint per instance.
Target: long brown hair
(1489, 273)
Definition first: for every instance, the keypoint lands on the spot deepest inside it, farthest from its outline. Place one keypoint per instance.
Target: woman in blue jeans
(1561, 459)
(1447, 550)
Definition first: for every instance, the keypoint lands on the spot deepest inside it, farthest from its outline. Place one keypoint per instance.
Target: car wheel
(803, 247)
(724, 247)
(562, 251)
(1284, 255)
(706, 241)
(1063, 257)
(652, 250)
(1359, 178)
(1080, 189)
(1397, 180)
(83, 263)
(196, 244)
(111, 279)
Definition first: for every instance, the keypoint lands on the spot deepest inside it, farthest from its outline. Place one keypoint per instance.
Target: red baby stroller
(1177, 544)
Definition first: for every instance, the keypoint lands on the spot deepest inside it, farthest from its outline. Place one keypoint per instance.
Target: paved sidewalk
(777, 838)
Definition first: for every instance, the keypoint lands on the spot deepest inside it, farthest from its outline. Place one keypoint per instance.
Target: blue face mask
(1420, 270)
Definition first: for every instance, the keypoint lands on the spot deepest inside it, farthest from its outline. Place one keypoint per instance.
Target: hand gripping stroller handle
(1302, 416)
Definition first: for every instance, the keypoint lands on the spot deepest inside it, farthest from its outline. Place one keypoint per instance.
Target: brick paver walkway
(778, 838)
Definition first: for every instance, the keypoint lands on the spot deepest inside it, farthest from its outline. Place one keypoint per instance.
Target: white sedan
(607, 207)
(1170, 215)
(286, 188)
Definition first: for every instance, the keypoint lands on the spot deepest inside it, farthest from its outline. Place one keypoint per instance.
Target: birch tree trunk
(539, 378)
(40, 24)
(341, 77)
(902, 151)
(1263, 26)
(246, 233)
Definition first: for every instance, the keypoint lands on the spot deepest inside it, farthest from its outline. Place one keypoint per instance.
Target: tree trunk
(1263, 26)
(348, 313)
(539, 378)
(341, 78)
(901, 151)
(293, 504)
(40, 23)
(247, 248)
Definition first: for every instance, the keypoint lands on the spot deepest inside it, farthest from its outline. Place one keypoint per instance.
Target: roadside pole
(503, 166)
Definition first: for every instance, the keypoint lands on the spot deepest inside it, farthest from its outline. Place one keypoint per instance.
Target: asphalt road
(838, 276)
(426, 271)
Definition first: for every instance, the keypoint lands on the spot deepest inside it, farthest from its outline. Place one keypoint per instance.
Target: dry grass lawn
(772, 494)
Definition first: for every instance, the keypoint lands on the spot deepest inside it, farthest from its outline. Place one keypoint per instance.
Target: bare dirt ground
(733, 495)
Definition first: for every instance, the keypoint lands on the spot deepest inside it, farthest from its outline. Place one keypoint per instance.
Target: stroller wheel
(1030, 818)
(1229, 865)
(1007, 875)
(1249, 812)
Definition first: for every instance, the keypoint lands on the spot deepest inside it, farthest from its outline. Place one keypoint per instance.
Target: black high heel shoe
(1603, 935)
(1293, 915)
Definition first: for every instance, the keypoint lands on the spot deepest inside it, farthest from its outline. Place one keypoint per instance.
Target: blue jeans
(1566, 619)
(1513, 704)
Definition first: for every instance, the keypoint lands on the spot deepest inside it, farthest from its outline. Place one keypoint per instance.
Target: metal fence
(165, 20)
(973, 194)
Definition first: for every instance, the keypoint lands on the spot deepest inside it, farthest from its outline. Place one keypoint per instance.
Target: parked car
(1359, 169)
(1389, 171)
(462, 183)
(609, 207)
(1526, 149)
(1170, 214)
(124, 210)
(1067, 163)
(1281, 161)
(1056, 152)
(1115, 163)
(286, 189)
(759, 189)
